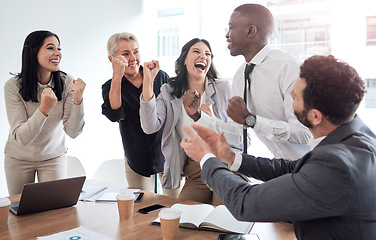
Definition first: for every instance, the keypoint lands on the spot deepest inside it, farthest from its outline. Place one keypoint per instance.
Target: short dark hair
(29, 71)
(260, 16)
(333, 87)
(180, 82)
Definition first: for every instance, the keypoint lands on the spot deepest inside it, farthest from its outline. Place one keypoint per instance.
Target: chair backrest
(74, 167)
(112, 171)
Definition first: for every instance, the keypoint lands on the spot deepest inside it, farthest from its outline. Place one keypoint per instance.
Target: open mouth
(200, 66)
(133, 64)
(55, 60)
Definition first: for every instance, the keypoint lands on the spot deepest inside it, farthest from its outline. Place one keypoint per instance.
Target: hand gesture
(48, 101)
(191, 103)
(195, 148)
(78, 88)
(237, 110)
(208, 109)
(151, 70)
(119, 64)
(217, 143)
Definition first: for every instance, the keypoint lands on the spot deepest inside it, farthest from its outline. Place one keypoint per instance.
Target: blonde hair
(114, 39)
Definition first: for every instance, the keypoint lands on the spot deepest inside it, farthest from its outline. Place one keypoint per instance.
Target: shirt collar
(261, 55)
(313, 142)
(49, 84)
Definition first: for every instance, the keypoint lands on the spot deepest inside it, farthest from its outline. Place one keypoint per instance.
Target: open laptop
(43, 196)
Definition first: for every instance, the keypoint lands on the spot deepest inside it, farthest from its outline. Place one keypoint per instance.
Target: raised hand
(48, 101)
(237, 110)
(78, 88)
(191, 103)
(150, 71)
(217, 143)
(119, 64)
(195, 148)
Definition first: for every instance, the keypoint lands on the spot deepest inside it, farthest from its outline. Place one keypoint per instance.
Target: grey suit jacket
(166, 110)
(329, 193)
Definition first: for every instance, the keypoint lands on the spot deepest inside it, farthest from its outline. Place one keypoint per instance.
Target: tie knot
(249, 69)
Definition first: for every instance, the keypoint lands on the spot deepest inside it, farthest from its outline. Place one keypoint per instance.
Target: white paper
(111, 196)
(79, 233)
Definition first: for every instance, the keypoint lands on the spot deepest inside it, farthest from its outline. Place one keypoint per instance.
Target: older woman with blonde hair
(143, 156)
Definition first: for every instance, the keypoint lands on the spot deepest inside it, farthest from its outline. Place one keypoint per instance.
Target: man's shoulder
(287, 58)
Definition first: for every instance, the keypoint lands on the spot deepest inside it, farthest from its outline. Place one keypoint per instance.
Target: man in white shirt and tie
(268, 108)
(269, 105)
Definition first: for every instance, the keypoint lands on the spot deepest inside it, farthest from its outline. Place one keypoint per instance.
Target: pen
(197, 95)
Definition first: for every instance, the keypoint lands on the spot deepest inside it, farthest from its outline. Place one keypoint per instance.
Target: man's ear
(252, 30)
(316, 117)
(110, 58)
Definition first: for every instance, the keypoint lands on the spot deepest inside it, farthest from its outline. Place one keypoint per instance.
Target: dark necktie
(247, 73)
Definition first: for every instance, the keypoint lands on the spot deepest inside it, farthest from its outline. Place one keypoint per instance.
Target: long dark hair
(180, 82)
(29, 70)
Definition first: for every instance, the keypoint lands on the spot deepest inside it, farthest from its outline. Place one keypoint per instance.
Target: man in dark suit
(329, 193)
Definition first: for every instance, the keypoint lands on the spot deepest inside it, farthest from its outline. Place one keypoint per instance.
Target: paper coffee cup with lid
(170, 218)
(125, 202)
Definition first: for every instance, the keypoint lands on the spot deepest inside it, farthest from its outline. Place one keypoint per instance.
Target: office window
(290, 2)
(303, 37)
(371, 31)
(168, 42)
(170, 12)
(370, 98)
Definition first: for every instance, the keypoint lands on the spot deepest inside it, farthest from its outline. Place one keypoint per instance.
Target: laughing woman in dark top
(143, 156)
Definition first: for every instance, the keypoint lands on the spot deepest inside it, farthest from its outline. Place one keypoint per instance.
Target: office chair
(112, 171)
(74, 167)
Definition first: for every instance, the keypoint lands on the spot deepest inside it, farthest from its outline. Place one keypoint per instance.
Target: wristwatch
(250, 120)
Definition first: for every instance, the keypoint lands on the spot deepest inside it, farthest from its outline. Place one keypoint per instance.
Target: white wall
(83, 28)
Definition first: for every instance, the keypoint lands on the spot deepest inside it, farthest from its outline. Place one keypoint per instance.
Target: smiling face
(49, 56)
(198, 60)
(129, 49)
(237, 34)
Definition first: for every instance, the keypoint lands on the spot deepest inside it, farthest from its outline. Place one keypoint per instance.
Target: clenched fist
(78, 88)
(48, 101)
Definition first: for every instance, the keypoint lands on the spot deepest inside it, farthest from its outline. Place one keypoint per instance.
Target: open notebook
(208, 217)
(43, 196)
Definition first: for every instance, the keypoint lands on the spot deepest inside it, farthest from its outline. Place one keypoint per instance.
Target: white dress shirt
(272, 80)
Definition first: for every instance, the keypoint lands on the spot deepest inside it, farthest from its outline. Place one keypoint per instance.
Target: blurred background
(343, 28)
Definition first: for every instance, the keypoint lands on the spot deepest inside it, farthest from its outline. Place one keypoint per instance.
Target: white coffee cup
(4, 211)
(125, 201)
(169, 218)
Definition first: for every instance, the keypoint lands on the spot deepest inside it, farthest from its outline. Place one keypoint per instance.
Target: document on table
(92, 193)
(77, 233)
(110, 196)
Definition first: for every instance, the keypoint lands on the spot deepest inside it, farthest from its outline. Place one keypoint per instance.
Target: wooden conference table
(103, 218)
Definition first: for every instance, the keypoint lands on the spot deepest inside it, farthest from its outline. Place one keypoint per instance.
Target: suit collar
(209, 91)
(343, 131)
